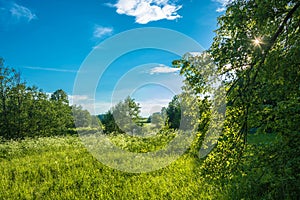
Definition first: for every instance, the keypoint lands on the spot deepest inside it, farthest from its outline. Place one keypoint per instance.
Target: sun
(257, 41)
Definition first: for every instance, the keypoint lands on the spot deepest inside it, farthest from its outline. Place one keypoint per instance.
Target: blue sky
(47, 41)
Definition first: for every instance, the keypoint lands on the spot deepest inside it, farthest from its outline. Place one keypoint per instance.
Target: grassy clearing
(61, 168)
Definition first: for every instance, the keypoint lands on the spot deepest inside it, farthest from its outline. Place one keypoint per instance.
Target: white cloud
(100, 31)
(149, 107)
(163, 69)
(194, 54)
(79, 99)
(19, 12)
(95, 108)
(221, 9)
(223, 3)
(109, 5)
(146, 11)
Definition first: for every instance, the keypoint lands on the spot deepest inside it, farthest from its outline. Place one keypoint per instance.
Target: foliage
(158, 120)
(29, 112)
(256, 49)
(173, 112)
(124, 117)
(82, 118)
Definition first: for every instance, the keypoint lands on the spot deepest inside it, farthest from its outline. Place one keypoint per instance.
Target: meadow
(62, 168)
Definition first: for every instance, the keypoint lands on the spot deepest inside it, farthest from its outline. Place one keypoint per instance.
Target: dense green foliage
(26, 111)
(256, 49)
(173, 112)
(124, 117)
(29, 112)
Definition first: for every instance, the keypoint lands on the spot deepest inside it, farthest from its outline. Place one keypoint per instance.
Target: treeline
(125, 117)
(28, 111)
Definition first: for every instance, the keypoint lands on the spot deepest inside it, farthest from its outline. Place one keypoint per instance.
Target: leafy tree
(62, 111)
(40, 113)
(173, 112)
(158, 119)
(95, 122)
(27, 111)
(109, 123)
(123, 117)
(82, 118)
(257, 48)
(10, 101)
(60, 96)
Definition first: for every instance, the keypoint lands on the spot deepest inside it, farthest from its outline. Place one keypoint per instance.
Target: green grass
(61, 168)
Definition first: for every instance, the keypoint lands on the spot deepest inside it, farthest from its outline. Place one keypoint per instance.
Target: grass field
(61, 168)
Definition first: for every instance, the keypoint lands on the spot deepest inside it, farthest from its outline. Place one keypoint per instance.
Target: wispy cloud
(223, 3)
(95, 108)
(146, 11)
(101, 31)
(21, 12)
(163, 69)
(149, 107)
(80, 99)
(52, 69)
(109, 5)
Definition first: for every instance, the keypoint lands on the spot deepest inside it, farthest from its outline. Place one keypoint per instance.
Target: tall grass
(61, 168)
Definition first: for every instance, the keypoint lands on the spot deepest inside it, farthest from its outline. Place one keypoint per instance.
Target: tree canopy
(124, 117)
(28, 112)
(257, 50)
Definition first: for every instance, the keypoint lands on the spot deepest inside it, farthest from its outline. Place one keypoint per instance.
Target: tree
(173, 112)
(82, 118)
(60, 96)
(158, 119)
(109, 123)
(123, 117)
(27, 111)
(62, 117)
(9, 84)
(257, 48)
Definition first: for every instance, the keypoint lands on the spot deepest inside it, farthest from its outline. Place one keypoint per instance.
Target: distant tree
(109, 123)
(126, 115)
(123, 117)
(173, 112)
(95, 122)
(28, 112)
(62, 111)
(40, 113)
(158, 120)
(60, 96)
(82, 118)
(9, 84)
